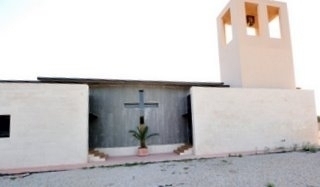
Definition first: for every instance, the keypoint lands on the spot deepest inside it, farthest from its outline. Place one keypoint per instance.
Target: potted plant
(141, 134)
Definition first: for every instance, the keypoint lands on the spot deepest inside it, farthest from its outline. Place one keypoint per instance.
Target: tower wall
(250, 56)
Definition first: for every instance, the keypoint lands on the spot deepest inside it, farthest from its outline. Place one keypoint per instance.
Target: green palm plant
(141, 134)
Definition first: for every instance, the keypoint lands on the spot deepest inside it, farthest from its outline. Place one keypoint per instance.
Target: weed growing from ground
(235, 155)
(310, 148)
(270, 184)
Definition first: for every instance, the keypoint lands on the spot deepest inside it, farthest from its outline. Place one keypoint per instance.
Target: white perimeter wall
(231, 120)
(49, 124)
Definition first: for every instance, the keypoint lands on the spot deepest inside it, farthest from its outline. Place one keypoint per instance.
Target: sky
(174, 40)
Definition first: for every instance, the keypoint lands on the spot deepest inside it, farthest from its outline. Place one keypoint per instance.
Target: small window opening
(274, 22)
(226, 20)
(252, 20)
(4, 126)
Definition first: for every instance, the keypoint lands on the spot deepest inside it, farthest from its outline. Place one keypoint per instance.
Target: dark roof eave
(124, 82)
(19, 81)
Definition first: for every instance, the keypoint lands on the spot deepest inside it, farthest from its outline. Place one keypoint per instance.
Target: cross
(141, 105)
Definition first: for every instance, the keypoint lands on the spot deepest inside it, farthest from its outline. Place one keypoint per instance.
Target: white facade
(48, 124)
(251, 56)
(238, 120)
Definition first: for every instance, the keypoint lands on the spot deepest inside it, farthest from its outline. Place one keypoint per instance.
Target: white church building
(257, 107)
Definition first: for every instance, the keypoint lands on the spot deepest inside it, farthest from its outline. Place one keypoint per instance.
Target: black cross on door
(141, 105)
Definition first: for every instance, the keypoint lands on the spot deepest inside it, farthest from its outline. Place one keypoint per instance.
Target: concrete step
(96, 159)
(184, 150)
(97, 156)
(187, 152)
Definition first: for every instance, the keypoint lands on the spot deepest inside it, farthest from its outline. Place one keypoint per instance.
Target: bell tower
(255, 45)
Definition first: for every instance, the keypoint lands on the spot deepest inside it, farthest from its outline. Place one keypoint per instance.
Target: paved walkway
(111, 161)
(295, 169)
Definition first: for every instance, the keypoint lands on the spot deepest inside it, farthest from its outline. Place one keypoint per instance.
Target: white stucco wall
(231, 120)
(49, 124)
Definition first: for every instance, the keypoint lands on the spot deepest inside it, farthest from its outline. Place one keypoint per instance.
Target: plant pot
(143, 152)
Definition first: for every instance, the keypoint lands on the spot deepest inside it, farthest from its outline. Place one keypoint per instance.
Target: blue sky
(134, 39)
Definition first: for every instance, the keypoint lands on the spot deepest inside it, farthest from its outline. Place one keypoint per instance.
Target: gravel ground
(282, 170)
